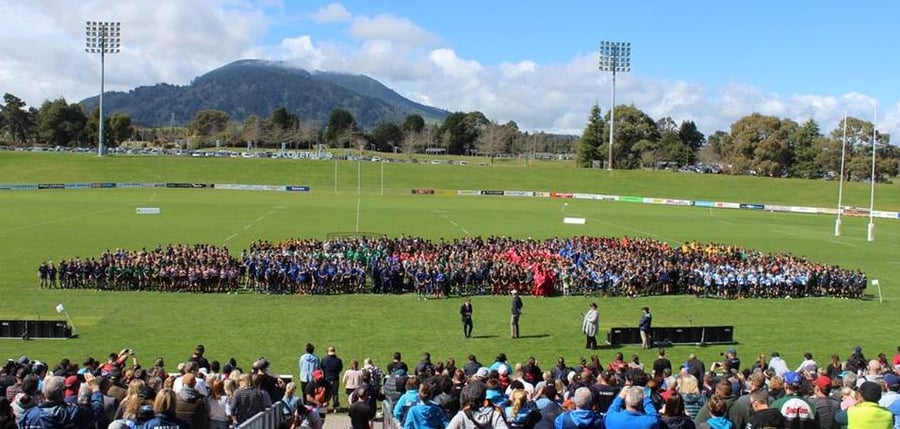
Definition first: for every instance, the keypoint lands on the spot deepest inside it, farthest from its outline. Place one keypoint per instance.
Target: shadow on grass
(534, 336)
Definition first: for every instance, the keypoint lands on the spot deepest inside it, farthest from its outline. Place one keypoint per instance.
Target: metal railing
(270, 418)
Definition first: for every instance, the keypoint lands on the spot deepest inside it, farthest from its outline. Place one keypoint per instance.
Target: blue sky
(527, 61)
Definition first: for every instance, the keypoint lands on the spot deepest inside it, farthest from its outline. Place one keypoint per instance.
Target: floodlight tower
(102, 37)
(615, 57)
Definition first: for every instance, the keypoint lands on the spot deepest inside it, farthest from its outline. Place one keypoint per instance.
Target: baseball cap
(857, 349)
(318, 374)
(892, 381)
(823, 382)
(731, 351)
(483, 372)
(776, 354)
(792, 378)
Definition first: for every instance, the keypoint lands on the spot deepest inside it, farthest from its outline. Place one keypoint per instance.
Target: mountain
(256, 87)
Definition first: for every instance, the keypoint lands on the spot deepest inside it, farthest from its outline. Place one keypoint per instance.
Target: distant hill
(256, 87)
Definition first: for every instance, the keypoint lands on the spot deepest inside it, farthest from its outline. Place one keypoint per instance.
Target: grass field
(40, 225)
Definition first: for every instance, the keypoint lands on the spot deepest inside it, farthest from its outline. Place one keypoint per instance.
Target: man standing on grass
(644, 325)
(465, 311)
(515, 312)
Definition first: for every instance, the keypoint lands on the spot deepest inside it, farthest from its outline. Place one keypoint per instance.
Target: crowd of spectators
(202, 394)
(463, 266)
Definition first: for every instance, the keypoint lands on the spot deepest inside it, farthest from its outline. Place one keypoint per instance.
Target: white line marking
(50, 222)
(231, 236)
(645, 233)
(453, 223)
(465, 231)
(247, 226)
(260, 218)
(783, 232)
(841, 242)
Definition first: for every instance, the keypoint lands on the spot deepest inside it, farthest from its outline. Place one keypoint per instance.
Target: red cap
(318, 374)
(823, 382)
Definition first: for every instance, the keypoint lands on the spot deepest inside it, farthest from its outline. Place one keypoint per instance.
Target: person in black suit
(465, 311)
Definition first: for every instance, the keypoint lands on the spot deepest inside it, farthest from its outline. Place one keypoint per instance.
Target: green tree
(591, 139)
(760, 143)
(120, 129)
(340, 124)
(413, 123)
(804, 150)
(460, 131)
(632, 125)
(17, 120)
(283, 120)
(59, 123)
(207, 125)
(385, 136)
(690, 136)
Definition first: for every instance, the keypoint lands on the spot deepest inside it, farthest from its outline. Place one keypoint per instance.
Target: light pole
(871, 230)
(102, 37)
(615, 57)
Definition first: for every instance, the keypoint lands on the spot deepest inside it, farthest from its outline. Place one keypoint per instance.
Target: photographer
(638, 411)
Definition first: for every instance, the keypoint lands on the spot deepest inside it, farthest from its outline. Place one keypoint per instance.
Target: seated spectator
(866, 413)
(717, 419)
(164, 416)
(763, 416)
(55, 412)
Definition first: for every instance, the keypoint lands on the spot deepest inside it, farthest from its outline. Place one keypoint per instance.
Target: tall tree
(804, 150)
(690, 136)
(207, 124)
(60, 123)
(591, 139)
(340, 124)
(459, 131)
(761, 143)
(15, 118)
(120, 129)
(283, 120)
(413, 123)
(385, 136)
(632, 125)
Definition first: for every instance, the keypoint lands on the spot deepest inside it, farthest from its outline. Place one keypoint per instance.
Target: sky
(528, 61)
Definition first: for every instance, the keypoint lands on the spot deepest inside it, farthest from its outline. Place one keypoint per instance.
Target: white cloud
(334, 12)
(392, 29)
(42, 56)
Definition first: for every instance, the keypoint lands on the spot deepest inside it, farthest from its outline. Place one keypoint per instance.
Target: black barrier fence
(27, 329)
(674, 335)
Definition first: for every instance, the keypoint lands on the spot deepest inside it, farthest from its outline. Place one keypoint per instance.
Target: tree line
(755, 144)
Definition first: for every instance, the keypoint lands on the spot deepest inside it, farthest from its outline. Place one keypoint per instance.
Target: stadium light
(615, 57)
(837, 222)
(871, 230)
(102, 37)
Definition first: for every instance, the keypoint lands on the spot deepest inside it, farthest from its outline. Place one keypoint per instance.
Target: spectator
(763, 416)
(353, 378)
(798, 412)
(717, 409)
(866, 413)
(690, 395)
(662, 366)
(309, 362)
(638, 411)
(190, 405)
(248, 400)
(735, 412)
(825, 405)
(361, 410)
(332, 366)
(475, 412)
(316, 394)
(217, 403)
(7, 418)
(425, 414)
(27, 398)
(305, 417)
(397, 363)
(890, 399)
(674, 415)
(290, 400)
(471, 366)
(55, 413)
(809, 364)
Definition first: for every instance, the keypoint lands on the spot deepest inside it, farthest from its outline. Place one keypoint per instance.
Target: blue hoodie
(308, 363)
(62, 415)
(582, 419)
(426, 416)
